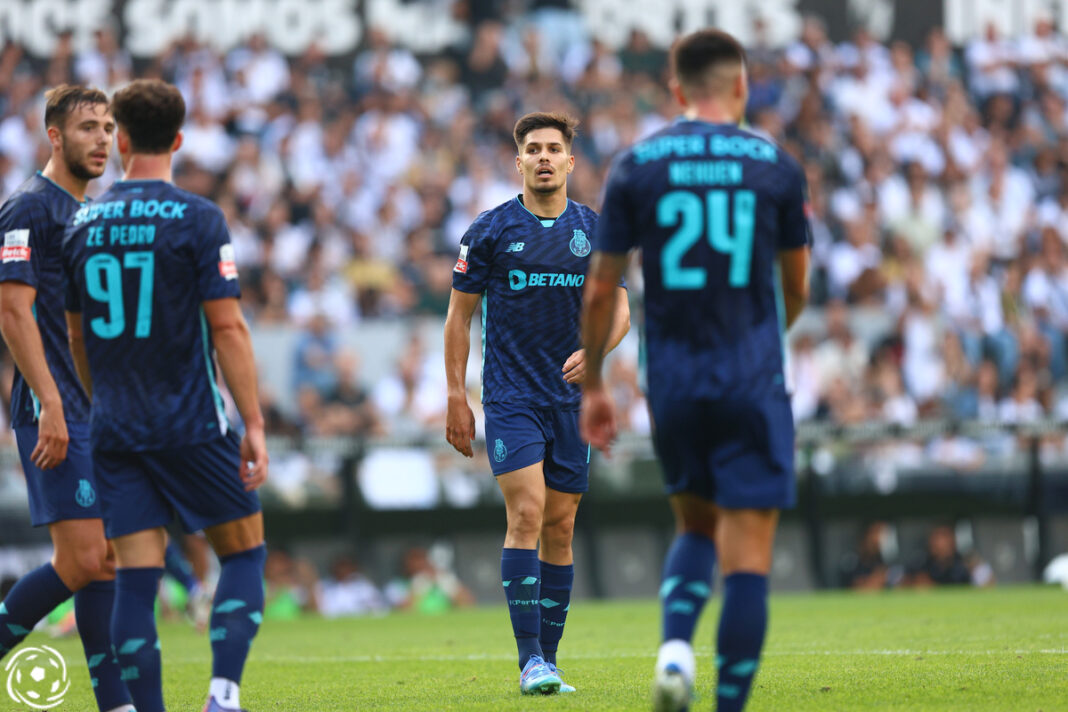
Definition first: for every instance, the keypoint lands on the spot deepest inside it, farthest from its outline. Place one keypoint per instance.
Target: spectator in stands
(426, 586)
(348, 591)
(866, 569)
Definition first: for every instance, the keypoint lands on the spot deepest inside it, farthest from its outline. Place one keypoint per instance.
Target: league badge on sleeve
(580, 244)
(227, 266)
(461, 261)
(16, 246)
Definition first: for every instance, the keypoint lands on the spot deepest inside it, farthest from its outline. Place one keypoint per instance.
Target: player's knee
(82, 565)
(525, 518)
(558, 532)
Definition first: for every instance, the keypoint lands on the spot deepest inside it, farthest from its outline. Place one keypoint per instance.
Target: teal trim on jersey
(79, 202)
(482, 371)
(220, 409)
(780, 310)
(33, 396)
(544, 223)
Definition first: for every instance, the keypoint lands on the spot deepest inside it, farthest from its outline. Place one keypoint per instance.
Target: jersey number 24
(696, 218)
(103, 281)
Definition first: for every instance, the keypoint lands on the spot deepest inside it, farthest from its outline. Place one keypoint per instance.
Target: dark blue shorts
(200, 484)
(67, 491)
(736, 453)
(518, 436)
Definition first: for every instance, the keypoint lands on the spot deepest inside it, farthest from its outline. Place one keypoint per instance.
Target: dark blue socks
(134, 638)
(686, 584)
(742, 624)
(556, 582)
(177, 567)
(92, 609)
(237, 611)
(28, 601)
(521, 578)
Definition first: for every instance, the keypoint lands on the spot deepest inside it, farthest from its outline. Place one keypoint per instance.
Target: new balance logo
(516, 247)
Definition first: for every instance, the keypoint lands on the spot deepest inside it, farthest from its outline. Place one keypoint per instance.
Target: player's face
(86, 140)
(545, 161)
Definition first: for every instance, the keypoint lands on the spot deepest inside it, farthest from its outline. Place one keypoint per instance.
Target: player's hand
(597, 421)
(52, 437)
(575, 367)
(253, 458)
(460, 425)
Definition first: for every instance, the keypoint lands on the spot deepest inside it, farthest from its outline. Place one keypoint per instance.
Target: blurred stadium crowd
(938, 179)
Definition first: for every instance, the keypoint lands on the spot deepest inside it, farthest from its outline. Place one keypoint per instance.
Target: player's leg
(683, 438)
(134, 515)
(203, 486)
(139, 558)
(524, 502)
(755, 480)
(567, 477)
(745, 538)
(81, 552)
(556, 559)
(237, 608)
(516, 443)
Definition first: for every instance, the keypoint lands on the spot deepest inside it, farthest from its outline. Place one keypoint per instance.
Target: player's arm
(76, 339)
(19, 327)
(459, 419)
(793, 268)
(233, 346)
(600, 316)
(575, 366)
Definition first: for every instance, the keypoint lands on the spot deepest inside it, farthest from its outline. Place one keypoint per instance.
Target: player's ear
(519, 164)
(570, 161)
(177, 142)
(122, 141)
(676, 91)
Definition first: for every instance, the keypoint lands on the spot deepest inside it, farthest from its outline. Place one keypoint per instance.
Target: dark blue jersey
(530, 274)
(32, 223)
(711, 206)
(139, 263)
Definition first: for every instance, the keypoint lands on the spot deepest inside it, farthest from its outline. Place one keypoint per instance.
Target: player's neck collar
(58, 186)
(545, 222)
(684, 119)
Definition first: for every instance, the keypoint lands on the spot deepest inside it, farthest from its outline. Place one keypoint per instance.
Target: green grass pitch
(972, 650)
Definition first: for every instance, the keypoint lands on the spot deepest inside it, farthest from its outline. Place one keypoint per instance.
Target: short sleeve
(615, 231)
(216, 271)
(794, 228)
(473, 264)
(22, 226)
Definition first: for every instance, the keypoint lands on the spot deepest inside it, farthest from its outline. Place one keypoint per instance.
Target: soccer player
(527, 261)
(719, 214)
(152, 293)
(49, 408)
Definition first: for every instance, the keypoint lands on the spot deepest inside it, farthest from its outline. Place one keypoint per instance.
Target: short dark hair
(694, 54)
(545, 120)
(151, 111)
(61, 101)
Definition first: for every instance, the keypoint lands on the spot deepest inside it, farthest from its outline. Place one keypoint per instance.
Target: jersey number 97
(104, 275)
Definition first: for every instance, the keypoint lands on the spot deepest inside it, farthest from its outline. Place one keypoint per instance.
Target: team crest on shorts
(85, 496)
(499, 451)
(580, 245)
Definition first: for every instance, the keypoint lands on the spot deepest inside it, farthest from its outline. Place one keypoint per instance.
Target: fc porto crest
(499, 451)
(580, 244)
(85, 496)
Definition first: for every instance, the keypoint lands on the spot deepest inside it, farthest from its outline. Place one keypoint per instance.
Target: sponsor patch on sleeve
(16, 246)
(227, 266)
(461, 262)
